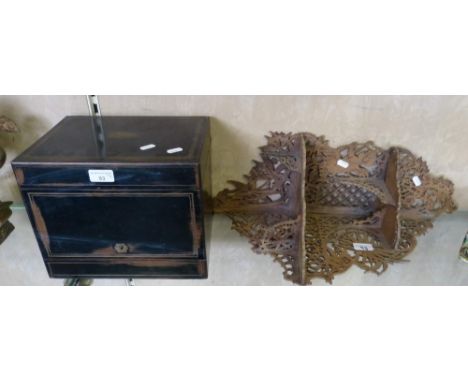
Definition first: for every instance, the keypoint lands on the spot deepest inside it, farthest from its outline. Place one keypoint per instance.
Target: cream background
(434, 127)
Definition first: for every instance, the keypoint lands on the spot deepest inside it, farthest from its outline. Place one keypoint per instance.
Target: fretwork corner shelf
(318, 210)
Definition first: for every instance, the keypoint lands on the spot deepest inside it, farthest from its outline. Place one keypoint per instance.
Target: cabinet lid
(82, 139)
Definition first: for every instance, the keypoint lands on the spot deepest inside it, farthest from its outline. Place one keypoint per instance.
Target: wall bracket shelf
(318, 210)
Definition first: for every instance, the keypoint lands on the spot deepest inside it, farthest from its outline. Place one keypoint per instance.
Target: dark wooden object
(148, 221)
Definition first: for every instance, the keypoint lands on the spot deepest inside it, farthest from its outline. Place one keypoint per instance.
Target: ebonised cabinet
(120, 196)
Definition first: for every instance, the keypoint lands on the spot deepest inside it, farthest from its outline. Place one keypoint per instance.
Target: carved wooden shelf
(318, 210)
(6, 126)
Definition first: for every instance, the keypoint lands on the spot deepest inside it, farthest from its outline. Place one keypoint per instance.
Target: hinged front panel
(116, 223)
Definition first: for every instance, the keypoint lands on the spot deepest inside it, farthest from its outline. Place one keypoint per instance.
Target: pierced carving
(319, 210)
(6, 126)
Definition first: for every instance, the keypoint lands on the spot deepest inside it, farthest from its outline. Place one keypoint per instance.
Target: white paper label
(342, 163)
(363, 247)
(147, 147)
(101, 176)
(175, 150)
(416, 180)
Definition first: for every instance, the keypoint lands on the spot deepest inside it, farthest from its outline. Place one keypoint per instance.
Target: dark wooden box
(103, 203)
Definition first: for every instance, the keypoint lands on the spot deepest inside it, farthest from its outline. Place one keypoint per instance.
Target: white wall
(434, 127)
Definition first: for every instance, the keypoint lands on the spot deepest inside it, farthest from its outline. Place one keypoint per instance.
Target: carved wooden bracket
(318, 210)
(6, 126)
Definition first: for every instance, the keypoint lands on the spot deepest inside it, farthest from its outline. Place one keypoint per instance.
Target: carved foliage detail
(6, 126)
(319, 210)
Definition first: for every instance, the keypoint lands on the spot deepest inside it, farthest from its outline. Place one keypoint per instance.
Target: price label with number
(363, 247)
(101, 176)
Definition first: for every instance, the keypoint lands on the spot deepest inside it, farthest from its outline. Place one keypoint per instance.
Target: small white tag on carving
(363, 247)
(416, 180)
(147, 147)
(274, 197)
(101, 176)
(175, 150)
(342, 163)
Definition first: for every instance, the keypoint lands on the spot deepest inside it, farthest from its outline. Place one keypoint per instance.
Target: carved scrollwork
(6, 126)
(319, 210)
(433, 197)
